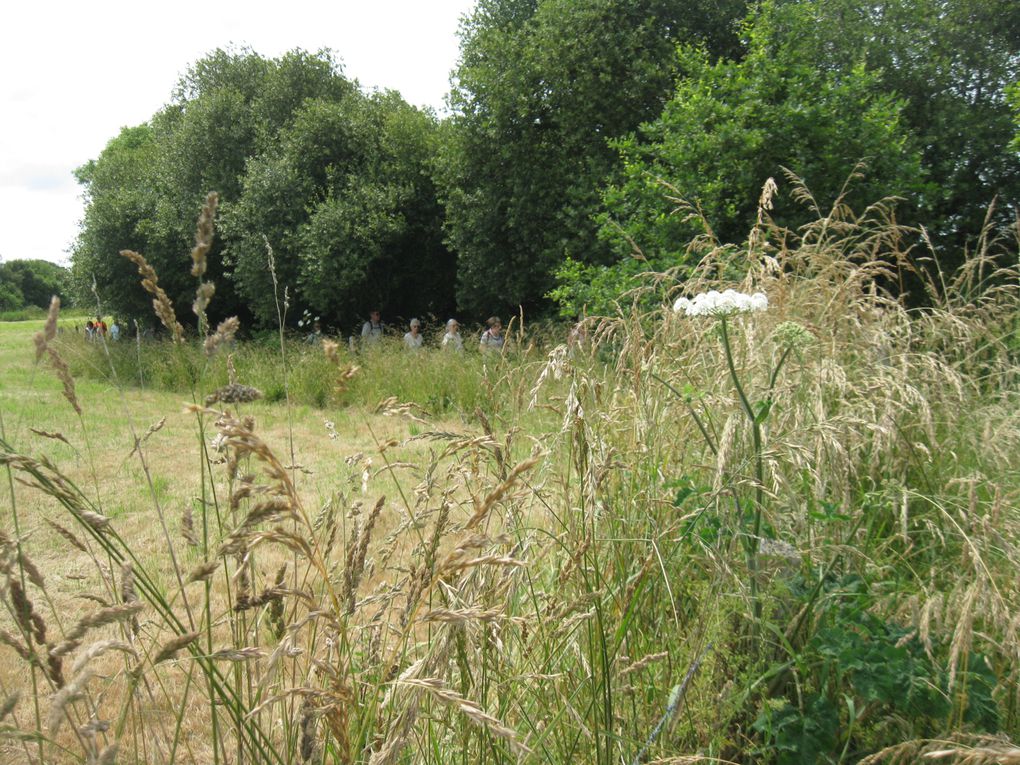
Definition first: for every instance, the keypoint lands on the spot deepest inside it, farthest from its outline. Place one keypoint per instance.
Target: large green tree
(338, 182)
(228, 109)
(541, 88)
(347, 203)
(950, 61)
(731, 125)
(916, 89)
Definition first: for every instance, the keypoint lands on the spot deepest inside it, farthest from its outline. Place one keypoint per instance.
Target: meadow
(774, 536)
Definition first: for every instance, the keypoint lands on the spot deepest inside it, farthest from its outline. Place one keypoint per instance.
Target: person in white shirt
(413, 338)
(492, 338)
(372, 330)
(452, 339)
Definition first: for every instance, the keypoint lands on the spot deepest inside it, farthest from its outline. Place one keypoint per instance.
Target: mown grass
(784, 537)
(35, 313)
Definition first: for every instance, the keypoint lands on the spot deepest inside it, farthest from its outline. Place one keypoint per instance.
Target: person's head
(317, 326)
(452, 326)
(494, 324)
(98, 319)
(415, 326)
(89, 324)
(374, 315)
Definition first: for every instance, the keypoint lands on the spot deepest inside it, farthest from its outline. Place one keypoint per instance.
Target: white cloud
(73, 74)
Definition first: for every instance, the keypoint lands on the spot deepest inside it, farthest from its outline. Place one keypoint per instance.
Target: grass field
(781, 536)
(327, 448)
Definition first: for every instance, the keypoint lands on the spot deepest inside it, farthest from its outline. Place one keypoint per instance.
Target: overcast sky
(73, 73)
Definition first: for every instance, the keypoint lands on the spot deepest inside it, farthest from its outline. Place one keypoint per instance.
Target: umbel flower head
(725, 303)
(793, 335)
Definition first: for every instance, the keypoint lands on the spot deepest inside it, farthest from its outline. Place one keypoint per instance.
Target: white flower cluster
(713, 303)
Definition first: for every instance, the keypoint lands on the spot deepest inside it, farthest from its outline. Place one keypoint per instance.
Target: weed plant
(786, 536)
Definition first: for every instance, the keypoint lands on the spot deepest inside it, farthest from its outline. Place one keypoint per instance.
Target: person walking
(452, 339)
(372, 330)
(492, 338)
(413, 338)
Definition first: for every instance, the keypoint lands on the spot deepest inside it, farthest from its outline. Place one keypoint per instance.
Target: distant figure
(315, 336)
(413, 338)
(115, 330)
(372, 330)
(99, 328)
(492, 338)
(577, 339)
(452, 339)
(90, 330)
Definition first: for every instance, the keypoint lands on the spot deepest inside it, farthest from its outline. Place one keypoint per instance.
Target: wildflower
(713, 303)
(793, 335)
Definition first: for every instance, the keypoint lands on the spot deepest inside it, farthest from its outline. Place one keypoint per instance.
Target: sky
(73, 73)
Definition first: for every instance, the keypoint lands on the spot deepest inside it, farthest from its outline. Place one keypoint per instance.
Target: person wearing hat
(413, 338)
(452, 339)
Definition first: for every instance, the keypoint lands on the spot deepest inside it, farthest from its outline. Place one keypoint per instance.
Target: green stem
(697, 420)
(759, 470)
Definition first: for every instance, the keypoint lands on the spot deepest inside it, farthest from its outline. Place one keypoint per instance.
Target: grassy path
(31, 398)
(96, 452)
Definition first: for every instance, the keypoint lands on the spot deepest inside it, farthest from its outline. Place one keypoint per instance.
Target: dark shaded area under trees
(572, 125)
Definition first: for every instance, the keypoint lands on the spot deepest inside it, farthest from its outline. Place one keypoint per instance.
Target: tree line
(575, 127)
(31, 283)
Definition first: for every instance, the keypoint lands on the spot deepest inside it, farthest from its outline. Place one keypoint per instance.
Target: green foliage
(731, 125)
(595, 289)
(11, 298)
(864, 682)
(25, 283)
(339, 182)
(1013, 93)
(579, 138)
(120, 205)
(914, 89)
(349, 208)
(541, 88)
(950, 62)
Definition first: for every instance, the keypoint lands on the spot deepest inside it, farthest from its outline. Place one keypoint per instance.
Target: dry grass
(237, 582)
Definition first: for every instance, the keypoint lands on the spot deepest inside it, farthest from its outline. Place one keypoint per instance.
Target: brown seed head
(204, 234)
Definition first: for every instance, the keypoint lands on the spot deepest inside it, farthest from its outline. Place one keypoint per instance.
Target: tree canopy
(575, 128)
(338, 183)
(25, 283)
(913, 90)
(541, 89)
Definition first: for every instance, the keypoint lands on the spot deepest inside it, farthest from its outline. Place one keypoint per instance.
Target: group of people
(373, 330)
(95, 330)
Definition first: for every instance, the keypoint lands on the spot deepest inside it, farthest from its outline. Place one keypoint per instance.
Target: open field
(97, 457)
(784, 535)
